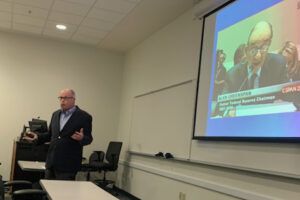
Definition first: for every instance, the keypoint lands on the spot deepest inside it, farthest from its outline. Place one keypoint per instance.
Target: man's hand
(78, 135)
(30, 136)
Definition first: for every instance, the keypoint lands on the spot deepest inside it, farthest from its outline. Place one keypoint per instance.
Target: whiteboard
(273, 158)
(162, 120)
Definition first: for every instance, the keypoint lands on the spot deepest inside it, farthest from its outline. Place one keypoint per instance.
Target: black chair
(97, 162)
(96, 156)
(2, 193)
(26, 193)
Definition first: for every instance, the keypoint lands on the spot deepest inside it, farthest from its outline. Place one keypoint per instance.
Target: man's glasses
(262, 49)
(64, 98)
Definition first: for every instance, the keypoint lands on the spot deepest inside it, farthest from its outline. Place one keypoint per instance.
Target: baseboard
(225, 189)
(126, 193)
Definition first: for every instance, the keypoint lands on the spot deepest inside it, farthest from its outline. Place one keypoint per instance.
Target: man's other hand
(30, 136)
(78, 135)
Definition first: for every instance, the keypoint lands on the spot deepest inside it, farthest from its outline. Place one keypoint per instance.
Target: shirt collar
(250, 72)
(70, 111)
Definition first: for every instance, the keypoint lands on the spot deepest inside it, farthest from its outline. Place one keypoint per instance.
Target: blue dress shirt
(64, 117)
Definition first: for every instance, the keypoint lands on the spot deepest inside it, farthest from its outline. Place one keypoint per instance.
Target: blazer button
(58, 137)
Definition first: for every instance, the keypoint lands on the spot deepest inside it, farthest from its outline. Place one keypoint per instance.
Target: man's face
(258, 45)
(66, 99)
(256, 52)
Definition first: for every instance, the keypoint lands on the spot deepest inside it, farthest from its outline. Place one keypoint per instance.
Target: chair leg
(88, 176)
(104, 176)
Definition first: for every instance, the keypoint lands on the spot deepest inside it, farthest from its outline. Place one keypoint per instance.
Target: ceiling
(117, 25)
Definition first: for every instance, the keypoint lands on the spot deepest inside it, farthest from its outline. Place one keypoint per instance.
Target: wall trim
(164, 88)
(228, 190)
(267, 172)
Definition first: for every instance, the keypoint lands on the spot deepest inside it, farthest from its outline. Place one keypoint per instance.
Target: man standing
(261, 68)
(69, 130)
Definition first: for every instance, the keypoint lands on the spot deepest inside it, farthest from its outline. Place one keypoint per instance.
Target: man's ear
(246, 48)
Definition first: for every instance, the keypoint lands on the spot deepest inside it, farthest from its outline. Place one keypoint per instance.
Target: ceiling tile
(85, 2)
(30, 11)
(100, 21)
(5, 6)
(5, 16)
(71, 8)
(45, 4)
(65, 18)
(98, 24)
(5, 24)
(106, 15)
(89, 32)
(121, 6)
(86, 40)
(21, 19)
(27, 28)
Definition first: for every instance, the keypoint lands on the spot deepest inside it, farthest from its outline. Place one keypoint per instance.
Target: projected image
(256, 70)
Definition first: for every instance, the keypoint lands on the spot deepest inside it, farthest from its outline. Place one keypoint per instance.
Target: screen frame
(225, 138)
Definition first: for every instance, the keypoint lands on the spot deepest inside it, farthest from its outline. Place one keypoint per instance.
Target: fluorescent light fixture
(61, 27)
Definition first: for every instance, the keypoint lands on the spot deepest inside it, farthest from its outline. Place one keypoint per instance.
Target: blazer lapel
(244, 75)
(57, 121)
(264, 79)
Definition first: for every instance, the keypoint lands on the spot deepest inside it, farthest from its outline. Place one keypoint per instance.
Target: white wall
(33, 71)
(168, 57)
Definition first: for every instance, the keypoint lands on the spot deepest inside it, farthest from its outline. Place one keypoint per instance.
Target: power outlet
(181, 196)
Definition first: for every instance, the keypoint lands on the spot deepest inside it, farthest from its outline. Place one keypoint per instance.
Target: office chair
(27, 193)
(96, 156)
(97, 162)
(1, 189)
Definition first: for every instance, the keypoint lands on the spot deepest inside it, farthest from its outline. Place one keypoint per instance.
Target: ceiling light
(61, 27)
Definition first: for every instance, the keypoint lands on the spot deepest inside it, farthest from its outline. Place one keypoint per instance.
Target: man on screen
(220, 73)
(261, 68)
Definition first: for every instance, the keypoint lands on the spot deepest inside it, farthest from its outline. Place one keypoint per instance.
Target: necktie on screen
(252, 80)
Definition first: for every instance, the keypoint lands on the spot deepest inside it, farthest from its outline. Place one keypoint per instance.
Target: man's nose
(258, 54)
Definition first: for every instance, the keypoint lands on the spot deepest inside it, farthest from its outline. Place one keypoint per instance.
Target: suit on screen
(273, 72)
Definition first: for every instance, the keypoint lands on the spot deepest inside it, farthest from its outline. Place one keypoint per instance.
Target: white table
(32, 165)
(74, 190)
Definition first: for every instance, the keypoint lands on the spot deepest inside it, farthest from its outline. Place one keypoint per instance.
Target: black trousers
(53, 174)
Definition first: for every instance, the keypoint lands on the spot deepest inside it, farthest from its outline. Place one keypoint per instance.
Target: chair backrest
(1, 189)
(113, 154)
(96, 156)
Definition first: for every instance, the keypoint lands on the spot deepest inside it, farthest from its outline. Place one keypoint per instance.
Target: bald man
(261, 68)
(69, 130)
